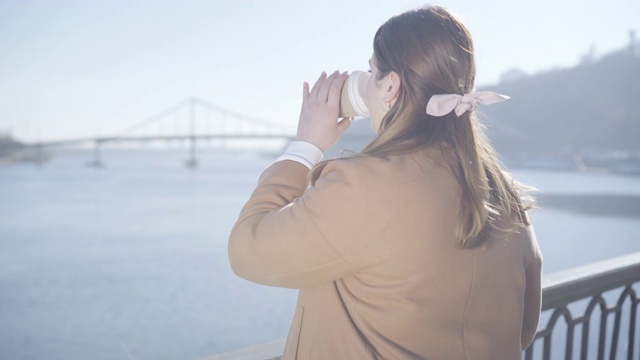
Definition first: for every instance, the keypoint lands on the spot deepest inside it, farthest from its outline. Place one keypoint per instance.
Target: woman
(419, 246)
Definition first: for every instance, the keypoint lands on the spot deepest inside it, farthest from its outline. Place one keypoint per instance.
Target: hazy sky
(87, 68)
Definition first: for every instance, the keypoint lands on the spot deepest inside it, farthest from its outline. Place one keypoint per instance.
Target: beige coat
(371, 249)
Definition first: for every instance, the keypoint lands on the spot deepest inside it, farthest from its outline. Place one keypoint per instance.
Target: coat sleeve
(291, 235)
(533, 294)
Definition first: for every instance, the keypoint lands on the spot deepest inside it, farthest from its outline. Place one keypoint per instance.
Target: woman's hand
(318, 122)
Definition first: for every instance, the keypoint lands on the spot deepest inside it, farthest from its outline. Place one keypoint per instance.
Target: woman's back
(405, 289)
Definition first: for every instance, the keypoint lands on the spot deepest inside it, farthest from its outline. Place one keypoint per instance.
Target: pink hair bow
(442, 104)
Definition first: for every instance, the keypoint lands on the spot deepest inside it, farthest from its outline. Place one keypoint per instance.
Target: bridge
(192, 119)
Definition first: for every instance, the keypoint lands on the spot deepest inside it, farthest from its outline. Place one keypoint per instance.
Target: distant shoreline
(19, 153)
(625, 206)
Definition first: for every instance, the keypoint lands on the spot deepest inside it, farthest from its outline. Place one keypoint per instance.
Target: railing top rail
(576, 283)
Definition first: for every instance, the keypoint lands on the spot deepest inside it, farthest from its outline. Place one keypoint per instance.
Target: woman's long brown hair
(432, 52)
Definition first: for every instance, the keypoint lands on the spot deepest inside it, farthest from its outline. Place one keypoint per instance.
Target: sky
(72, 69)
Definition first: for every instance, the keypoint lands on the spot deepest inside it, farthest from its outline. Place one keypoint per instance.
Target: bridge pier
(96, 163)
(40, 157)
(192, 163)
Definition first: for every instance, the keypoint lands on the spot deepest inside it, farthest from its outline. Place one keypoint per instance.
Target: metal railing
(599, 299)
(590, 312)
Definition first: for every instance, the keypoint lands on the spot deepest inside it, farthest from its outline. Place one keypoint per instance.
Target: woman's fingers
(318, 123)
(305, 92)
(327, 88)
(316, 87)
(336, 88)
(323, 93)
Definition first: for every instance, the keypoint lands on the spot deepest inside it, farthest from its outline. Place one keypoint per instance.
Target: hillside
(12, 151)
(587, 109)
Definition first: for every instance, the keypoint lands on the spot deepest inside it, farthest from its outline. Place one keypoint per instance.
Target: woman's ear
(391, 87)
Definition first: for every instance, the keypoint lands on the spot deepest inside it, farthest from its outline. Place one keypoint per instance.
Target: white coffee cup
(351, 99)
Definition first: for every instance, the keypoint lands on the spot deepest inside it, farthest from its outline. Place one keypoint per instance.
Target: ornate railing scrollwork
(575, 297)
